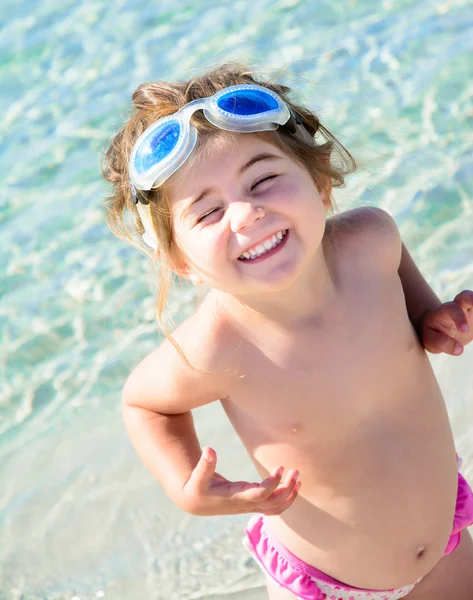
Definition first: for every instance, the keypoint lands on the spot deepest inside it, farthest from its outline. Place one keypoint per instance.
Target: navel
(420, 550)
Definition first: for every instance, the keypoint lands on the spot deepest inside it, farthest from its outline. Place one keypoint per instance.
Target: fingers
(443, 325)
(204, 470)
(209, 493)
(282, 493)
(285, 505)
(270, 494)
(452, 311)
(465, 302)
(436, 342)
(282, 497)
(262, 491)
(459, 313)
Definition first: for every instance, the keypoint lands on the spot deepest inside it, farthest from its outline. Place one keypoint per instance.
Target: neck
(312, 294)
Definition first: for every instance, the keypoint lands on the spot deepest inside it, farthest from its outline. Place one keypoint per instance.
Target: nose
(243, 214)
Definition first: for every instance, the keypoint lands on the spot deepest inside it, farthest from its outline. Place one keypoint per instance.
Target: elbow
(190, 502)
(130, 394)
(191, 506)
(128, 407)
(126, 401)
(131, 409)
(186, 506)
(127, 393)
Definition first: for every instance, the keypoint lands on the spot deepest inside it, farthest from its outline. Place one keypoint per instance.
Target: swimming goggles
(164, 146)
(168, 142)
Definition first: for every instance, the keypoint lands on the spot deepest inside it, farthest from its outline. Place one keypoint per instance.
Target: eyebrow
(256, 159)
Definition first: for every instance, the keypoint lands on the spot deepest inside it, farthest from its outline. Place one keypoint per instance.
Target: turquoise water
(79, 515)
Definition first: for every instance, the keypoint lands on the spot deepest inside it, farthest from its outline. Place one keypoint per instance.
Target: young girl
(312, 337)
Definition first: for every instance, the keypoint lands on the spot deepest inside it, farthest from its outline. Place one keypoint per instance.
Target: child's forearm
(420, 298)
(167, 444)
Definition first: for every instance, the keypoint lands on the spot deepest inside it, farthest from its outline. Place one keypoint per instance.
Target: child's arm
(420, 298)
(449, 327)
(446, 327)
(157, 400)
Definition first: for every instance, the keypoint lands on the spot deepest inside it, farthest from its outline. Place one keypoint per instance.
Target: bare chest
(352, 369)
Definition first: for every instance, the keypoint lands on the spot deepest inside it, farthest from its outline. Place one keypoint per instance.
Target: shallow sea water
(80, 517)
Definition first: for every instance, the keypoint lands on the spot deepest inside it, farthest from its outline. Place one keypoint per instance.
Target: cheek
(286, 189)
(307, 208)
(204, 245)
(213, 243)
(298, 189)
(183, 245)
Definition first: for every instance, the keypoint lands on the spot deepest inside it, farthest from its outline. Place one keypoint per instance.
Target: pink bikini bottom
(308, 583)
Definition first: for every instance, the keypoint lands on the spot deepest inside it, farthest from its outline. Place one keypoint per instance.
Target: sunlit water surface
(80, 516)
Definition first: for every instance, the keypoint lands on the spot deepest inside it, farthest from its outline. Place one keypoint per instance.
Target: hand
(449, 327)
(208, 493)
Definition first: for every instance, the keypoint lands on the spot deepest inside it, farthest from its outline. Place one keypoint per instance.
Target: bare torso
(350, 400)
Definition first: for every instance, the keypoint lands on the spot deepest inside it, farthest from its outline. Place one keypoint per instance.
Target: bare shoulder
(369, 233)
(177, 377)
(366, 220)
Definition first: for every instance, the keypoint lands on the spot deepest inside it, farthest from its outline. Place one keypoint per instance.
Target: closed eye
(207, 214)
(262, 180)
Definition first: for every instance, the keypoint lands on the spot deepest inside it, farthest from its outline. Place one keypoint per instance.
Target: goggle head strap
(149, 236)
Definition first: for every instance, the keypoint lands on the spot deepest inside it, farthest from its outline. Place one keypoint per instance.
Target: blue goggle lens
(247, 102)
(158, 147)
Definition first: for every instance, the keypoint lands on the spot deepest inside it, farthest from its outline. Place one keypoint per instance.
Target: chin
(278, 282)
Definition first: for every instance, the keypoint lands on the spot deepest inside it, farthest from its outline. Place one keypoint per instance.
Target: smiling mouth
(266, 247)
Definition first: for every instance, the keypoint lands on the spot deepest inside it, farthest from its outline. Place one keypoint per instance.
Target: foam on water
(80, 516)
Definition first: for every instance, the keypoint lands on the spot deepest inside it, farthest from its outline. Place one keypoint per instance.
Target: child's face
(235, 196)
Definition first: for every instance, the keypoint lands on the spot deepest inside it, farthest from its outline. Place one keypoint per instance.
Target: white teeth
(264, 247)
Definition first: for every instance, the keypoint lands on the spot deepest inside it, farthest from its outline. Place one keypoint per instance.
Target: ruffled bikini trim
(279, 563)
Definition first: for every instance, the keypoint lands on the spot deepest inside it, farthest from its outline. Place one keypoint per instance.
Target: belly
(377, 484)
(367, 531)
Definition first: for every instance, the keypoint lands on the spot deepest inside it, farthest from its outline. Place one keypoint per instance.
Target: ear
(326, 187)
(325, 191)
(188, 274)
(326, 194)
(182, 269)
(196, 280)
